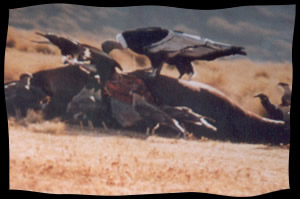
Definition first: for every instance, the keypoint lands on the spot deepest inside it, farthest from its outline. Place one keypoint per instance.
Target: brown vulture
(174, 47)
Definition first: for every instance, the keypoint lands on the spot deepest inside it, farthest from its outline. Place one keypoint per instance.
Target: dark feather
(174, 47)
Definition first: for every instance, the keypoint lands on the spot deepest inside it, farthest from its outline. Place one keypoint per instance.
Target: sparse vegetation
(11, 43)
(44, 50)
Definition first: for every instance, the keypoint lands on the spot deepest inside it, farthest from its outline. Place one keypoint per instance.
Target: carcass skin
(232, 121)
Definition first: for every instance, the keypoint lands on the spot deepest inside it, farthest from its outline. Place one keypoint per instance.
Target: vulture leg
(147, 131)
(156, 71)
(154, 129)
(104, 125)
(157, 62)
(190, 76)
(149, 69)
(91, 125)
(190, 72)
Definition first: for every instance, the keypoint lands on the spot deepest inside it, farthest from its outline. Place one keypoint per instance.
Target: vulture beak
(258, 95)
(40, 42)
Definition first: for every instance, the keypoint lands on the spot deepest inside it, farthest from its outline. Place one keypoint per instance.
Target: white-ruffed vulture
(285, 105)
(174, 47)
(287, 94)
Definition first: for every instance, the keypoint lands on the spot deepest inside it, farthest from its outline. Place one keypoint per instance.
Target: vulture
(287, 94)
(174, 48)
(232, 121)
(87, 106)
(153, 115)
(282, 111)
(70, 49)
(285, 105)
(83, 54)
(131, 102)
(273, 111)
(186, 115)
(21, 95)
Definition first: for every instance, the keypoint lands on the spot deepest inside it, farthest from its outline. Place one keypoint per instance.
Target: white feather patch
(93, 98)
(178, 125)
(121, 40)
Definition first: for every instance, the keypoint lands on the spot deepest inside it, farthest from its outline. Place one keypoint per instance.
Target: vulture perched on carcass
(282, 111)
(273, 111)
(232, 121)
(174, 48)
(132, 102)
(83, 54)
(287, 94)
(285, 105)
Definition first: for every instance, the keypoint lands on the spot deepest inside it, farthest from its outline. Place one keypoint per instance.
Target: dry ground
(49, 156)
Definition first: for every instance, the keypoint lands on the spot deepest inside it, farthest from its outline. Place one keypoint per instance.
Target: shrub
(44, 50)
(10, 43)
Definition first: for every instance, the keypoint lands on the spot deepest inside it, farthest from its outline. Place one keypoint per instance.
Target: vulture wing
(192, 46)
(154, 113)
(186, 115)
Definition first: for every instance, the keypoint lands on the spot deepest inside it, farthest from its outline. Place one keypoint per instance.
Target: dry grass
(34, 122)
(49, 156)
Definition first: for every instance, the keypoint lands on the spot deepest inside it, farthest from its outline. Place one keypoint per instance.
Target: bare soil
(51, 157)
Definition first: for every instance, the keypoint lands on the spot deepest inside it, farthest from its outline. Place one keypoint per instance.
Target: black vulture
(273, 111)
(70, 49)
(85, 55)
(21, 95)
(174, 47)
